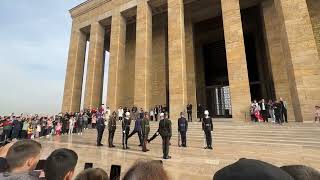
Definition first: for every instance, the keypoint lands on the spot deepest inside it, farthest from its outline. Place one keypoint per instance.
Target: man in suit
(189, 111)
(264, 110)
(183, 128)
(166, 132)
(284, 110)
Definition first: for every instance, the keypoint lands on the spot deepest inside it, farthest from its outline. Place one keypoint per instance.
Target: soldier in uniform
(207, 127)
(112, 125)
(165, 131)
(182, 128)
(100, 125)
(125, 130)
(145, 131)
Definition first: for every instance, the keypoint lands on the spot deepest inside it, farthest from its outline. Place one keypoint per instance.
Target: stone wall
(314, 11)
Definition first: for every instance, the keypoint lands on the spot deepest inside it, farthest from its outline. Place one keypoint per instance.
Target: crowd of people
(276, 110)
(21, 159)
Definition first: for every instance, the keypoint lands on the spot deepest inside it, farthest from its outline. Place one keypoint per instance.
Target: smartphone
(41, 164)
(88, 165)
(115, 172)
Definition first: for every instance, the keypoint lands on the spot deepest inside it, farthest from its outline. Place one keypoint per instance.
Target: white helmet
(206, 112)
(127, 114)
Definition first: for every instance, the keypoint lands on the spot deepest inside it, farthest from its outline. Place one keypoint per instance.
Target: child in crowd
(317, 114)
(58, 128)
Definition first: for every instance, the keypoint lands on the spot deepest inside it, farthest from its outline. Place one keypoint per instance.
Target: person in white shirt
(120, 113)
(151, 114)
(71, 124)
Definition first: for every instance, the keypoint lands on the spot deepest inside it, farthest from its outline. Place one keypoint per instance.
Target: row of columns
(180, 90)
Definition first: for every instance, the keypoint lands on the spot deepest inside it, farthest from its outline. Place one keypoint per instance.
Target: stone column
(190, 68)
(95, 71)
(236, 59)
(301, 57)
(314, 11)
(143, 55)
(177, 58)
(275, 54)
(117, 55)
(75, 69)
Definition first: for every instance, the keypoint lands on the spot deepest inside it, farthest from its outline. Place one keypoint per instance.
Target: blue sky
(34, 43)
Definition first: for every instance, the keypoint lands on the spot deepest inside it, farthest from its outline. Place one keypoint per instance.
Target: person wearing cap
(165, 131)
(317, 114)
(137, 129)
(182, 128)
(125, 130)
(207, 127)
(112, 125)
(100, 125)
(145, 127)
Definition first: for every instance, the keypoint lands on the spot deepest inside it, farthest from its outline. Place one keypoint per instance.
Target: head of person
(250, 169)
(301, 172)
(254, 101)
(92, 174)
(146, 170)
(262, 100)
(317, 107)
(114, 114)
(181, 114)
(146, 114)
(161, 115)
(120, 107)
(206, 113)
(281, 99)
(23, 156)
(127, 114)
(60, 164)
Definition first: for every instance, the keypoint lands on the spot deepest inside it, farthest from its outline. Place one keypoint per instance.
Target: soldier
(100, 126)
(207, 127)
(125, 130)
(165, 131)
(145, 131)
(112, 125)
(182, 128)
(189, 111)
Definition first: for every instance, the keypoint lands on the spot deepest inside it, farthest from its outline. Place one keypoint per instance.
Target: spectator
(92, 174)
(317, 114)
(22, 158)
(300, 172)
(146, 170)
(60, 164)
(249, 169)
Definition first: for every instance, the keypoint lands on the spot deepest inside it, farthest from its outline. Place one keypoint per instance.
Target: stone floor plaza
(279, 145)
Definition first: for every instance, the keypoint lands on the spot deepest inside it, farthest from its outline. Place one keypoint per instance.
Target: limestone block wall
(314, 11)
(127, 69)
(157, 71)
(275, 54)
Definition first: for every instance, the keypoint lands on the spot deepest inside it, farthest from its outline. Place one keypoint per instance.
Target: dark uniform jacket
(112, 124)
(145, 126)
(137, 125)
(207, 124)
(182, 124)
(126, 124)
(100, 121)
(165, 127)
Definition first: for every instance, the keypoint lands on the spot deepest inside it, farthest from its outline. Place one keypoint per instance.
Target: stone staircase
(267, 134)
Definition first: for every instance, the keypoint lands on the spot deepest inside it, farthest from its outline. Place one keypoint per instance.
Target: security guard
(182, 128)
(100, 126)
(165, 131)
(112, 125)
(145, 131)
(207, 127)
(125, 130)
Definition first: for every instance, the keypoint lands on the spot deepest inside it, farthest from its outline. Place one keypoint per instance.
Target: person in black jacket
(166, 132)
(189, 111)
(112, 126)
(125, 130)
(200, 112)
(100, 125)
(207, 127)
(183, 128)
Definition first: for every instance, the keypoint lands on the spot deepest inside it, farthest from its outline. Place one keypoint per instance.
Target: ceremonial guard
(100, 125)
(145, 131)
(112, 125)
(125, 130)
(207, 127)
(182, 128)
(165, 131)
(189, 111)
(137, 129)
